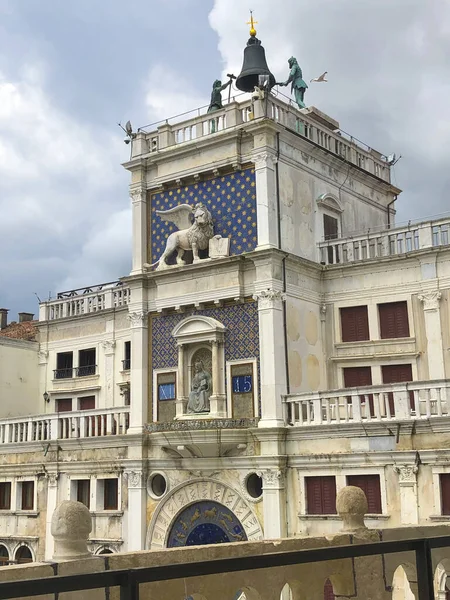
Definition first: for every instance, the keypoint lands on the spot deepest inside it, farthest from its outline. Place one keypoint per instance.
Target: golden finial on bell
(252, 24)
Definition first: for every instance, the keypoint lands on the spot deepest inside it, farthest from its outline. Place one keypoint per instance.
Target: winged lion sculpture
(191, 236)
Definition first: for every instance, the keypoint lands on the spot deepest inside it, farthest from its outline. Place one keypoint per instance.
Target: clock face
(166, 391)
(242, 384)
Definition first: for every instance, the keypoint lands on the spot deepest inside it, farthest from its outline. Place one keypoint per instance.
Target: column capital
(430, 299)
(138, 195)
(273, 479)
(43, 357)
(269, 298)
(135, 479)
(109, 346)
(407, 474)
(264, 160)
(138, 319)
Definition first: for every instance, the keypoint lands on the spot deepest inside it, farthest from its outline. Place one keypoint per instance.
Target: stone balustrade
(388, 242)
(85, 301)
(305, 122)
(65, 425)
(376, 403)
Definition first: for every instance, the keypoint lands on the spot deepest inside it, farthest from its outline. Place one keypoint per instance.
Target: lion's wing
(180, 216)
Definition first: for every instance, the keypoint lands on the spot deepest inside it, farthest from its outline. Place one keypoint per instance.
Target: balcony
(375, 244)
(308, 123)
(373, 404)
(126, 364)
(65, 426)
(70, 373)
(84, 301)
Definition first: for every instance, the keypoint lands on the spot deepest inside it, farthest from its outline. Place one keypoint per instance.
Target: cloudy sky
(69, 71)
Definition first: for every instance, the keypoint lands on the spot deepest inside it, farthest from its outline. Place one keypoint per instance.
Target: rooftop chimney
(24, 316)
(3, 317)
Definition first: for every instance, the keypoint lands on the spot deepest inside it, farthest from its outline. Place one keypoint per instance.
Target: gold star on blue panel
(232, 193)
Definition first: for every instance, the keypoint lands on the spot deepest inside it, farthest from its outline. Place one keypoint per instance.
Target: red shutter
(87, 403)
(64, 405)
(393, 320)
(370, 485)
(328, 592)
(354, 324)
(321, 495)
(359, 377)
(445, 493)
(397, 374)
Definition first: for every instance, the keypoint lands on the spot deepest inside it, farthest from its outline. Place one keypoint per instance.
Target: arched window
(328, 592)
(329, 224)
(4, 556)
(23, 555)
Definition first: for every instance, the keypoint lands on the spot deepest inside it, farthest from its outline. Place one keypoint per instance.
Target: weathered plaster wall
(19, 383)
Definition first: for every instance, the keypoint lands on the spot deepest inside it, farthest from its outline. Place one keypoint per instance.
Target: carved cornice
(407, 474)
(430, 300)
(138, 319)
(269, 298)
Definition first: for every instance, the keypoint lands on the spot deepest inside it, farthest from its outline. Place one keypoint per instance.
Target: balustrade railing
(283, 112)
(64, 426)
(388, 402)
(74, 303)
(388, 242)
(68, 373)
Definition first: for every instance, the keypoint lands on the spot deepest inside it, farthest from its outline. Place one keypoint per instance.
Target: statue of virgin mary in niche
(200, 390)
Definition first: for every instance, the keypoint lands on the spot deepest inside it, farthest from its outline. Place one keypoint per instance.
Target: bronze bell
(254, 65)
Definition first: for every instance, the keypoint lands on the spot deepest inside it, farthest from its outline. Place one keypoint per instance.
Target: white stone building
(321, 328)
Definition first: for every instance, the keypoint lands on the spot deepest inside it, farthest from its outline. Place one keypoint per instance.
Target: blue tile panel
(241, 336)
(205, 522)
(231, 199)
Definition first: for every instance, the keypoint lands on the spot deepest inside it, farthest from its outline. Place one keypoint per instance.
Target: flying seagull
(321, 78)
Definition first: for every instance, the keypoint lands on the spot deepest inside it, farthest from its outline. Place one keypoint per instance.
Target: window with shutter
(330, 232)
(398, 374)
(360, 377)
(320, 495)
(370, 485)
(393, 320)
(445, 493)
(354, 324)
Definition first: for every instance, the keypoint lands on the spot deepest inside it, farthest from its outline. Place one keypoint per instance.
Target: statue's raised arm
(299, 86)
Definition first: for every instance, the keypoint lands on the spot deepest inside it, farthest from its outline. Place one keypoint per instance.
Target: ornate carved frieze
(109, 346)
(201, 424)
(138, 319)
(430, 300)
(269, 298)
(407, 474)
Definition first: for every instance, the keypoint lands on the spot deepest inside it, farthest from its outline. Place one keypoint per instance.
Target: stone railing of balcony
(309, 123)
(387, 242)
(65, 425)
(376, 403)
(83, 301)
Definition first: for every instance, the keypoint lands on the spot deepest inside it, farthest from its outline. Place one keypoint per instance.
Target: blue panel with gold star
(205, 522)
(231, 199)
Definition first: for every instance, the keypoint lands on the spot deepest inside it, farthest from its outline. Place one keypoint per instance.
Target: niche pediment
(198, 328)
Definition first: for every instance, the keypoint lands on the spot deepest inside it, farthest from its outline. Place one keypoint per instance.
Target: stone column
(138, 371)
(137, 510)
(52, 498)
(181, 401)
(217, 400)
(407, 479)
(433, 333)
(272, 356)
(139, 216)
(106, 399)
(266, 200)
(274, 499)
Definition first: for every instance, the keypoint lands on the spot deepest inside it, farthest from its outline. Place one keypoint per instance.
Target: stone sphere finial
(70, 528)
(351, 505)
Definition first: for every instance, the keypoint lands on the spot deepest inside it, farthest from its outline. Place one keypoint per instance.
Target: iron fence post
(424, 569)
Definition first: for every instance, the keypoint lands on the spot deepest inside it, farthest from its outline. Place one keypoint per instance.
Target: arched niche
(200, 339)
(23, 554)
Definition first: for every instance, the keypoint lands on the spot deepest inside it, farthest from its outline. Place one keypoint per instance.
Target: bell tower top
(252, 24)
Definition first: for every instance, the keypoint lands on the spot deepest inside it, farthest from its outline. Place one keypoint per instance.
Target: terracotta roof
(21, 331)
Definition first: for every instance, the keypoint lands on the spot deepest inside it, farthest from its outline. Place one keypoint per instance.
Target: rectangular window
(5, 495)
(166, 386)
(393, 320)
(126, 363)
(397, 374)
(84, 491)
(370, 485)
(111, 494)
(354, 324)
(86, 362)
(330, 232)
(445, 493)
(86, 403)
(64, 405)
(320, 495)
(27, 498)
(64, 365)
(360, 377)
